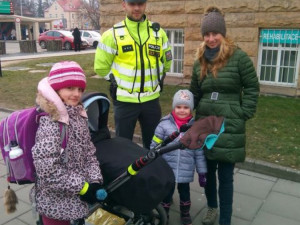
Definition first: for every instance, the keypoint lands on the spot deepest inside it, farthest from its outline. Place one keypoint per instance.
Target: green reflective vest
(137, 59)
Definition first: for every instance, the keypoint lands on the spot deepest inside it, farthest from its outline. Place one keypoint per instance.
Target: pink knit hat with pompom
(66, 74)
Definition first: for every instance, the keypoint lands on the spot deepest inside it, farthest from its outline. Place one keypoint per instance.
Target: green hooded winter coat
(233, 95)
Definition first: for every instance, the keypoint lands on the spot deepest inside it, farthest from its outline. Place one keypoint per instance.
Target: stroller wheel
(157, 216)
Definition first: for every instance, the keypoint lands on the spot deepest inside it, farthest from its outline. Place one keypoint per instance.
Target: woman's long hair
(227, 48)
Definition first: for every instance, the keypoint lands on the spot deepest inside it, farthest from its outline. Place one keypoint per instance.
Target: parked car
(65, 36)
(91, 36)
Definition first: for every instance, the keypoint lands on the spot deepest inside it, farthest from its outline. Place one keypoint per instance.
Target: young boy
(183, 162)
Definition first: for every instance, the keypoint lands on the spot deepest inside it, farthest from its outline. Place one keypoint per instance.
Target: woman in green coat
(224, 83)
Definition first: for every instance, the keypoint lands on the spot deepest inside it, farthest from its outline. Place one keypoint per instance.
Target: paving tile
(21, 209)
(264, 218)
(244, 184)
(15, 222)
(288, 187)
(1, 161)
(245, 207)
(28, 218)
(283, 205)
(2, 169)
(238, 221)
(258, 175)
(23, 194)
(174, 218)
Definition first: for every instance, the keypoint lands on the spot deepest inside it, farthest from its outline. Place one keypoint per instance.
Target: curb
(270, 169)
(6, 110)
(250, 164)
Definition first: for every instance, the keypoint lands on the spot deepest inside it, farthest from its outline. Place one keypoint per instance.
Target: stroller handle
(151, 155)
(169, 148)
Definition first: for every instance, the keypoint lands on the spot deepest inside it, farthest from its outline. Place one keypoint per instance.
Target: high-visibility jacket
(135, 54)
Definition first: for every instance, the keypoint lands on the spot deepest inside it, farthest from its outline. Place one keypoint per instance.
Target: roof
(69, 5)
(11, 18)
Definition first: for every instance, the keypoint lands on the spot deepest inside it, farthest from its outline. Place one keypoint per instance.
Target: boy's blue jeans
(225, 177)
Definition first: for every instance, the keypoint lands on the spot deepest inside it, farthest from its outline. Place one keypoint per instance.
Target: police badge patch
(127, 48)
(154, 50)
(168, 55)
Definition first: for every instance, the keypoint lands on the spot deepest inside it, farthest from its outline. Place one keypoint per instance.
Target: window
(279, 53)
(56, 34)
(50, 15)
(176, 41)
(50, 33)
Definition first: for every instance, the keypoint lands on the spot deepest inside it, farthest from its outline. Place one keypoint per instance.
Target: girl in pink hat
(67, 176)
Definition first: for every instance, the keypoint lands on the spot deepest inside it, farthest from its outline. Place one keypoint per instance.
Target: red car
(65, 36)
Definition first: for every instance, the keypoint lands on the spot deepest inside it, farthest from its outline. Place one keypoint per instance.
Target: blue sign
(288, 36)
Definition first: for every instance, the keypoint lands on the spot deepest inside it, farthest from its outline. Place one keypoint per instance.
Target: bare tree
(40, 9)
(90, 11)
(31, 7)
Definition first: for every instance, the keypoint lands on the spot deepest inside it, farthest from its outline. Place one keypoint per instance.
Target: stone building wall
(243, 18)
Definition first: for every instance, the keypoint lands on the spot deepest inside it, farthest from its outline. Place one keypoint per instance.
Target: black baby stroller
(136, 179)
(136, 199)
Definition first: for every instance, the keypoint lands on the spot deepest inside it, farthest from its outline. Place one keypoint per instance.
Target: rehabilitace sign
(287, 36)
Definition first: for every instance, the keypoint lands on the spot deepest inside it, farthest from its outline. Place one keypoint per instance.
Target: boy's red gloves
(195, 137)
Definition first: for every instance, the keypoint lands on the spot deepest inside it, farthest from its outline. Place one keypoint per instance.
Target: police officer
(134, 54)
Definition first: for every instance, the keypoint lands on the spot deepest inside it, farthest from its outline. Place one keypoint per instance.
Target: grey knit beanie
(183, 97)
(213, 21)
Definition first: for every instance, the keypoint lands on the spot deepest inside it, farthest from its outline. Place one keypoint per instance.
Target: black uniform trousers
(127, 114)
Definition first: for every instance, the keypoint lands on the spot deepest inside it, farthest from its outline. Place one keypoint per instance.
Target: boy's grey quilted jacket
(182, 162)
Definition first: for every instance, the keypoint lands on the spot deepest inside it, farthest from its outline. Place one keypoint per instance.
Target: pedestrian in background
(224, 83)
(134, 55)
(182, 161)
(13, 34)
(77, 39)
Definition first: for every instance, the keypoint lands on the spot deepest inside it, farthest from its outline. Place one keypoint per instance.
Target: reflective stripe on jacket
(131, 51)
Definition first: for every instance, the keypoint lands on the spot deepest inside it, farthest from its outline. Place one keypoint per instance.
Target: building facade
(269, 31)
(68, 15)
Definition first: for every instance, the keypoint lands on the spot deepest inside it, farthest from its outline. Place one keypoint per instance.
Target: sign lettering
(280, 36)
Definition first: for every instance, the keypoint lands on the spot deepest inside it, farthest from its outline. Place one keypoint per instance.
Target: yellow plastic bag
(102, 217)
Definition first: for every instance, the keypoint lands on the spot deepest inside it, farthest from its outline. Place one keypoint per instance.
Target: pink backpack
(17, 137)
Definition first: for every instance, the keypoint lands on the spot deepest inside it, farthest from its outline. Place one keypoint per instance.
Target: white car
(91, 36)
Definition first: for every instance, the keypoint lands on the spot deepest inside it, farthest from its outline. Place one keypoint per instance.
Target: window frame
(280, 51)
(173, 45)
